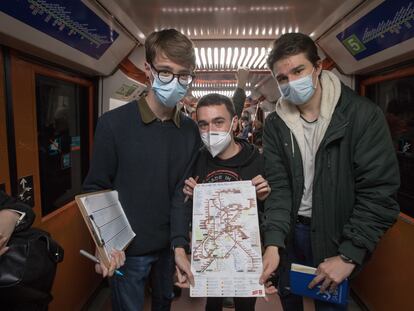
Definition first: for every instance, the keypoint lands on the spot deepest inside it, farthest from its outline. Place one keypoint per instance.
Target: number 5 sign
(353, 45)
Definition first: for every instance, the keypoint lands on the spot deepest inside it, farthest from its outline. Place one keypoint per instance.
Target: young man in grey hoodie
(332, 169)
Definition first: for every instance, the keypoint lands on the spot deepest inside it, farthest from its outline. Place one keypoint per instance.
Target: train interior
(65, 63)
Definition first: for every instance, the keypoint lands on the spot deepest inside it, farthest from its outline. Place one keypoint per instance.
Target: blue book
(301, 276)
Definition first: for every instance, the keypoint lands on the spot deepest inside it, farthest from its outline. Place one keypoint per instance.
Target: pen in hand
(96, 260)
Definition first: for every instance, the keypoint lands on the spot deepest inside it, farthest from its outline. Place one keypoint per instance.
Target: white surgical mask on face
(298, 92)
(217, 141)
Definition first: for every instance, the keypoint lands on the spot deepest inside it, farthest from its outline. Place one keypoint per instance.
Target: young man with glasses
(144, 150)
(332, 168)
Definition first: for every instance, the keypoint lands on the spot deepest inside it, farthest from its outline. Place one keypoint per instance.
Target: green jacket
(356, 178)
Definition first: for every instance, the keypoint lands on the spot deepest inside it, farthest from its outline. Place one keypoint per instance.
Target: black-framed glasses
(167, 76)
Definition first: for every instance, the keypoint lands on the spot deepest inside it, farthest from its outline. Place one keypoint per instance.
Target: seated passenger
(225, 159)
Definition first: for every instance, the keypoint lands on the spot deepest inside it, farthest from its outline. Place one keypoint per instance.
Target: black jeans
(240, 303)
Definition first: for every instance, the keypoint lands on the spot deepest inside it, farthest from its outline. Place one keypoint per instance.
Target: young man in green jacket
(332, 169)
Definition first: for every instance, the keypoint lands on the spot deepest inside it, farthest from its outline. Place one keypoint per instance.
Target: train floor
(102, 302)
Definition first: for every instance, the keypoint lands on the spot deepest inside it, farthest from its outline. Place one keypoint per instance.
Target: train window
(396, 98)
(62, 125)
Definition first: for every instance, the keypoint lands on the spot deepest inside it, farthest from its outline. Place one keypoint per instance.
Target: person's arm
(278, 204)
(180, 223)
(101, 174)
(104, 161)
(239, 96)
(14, 216)
(377, 181)
(21, 209)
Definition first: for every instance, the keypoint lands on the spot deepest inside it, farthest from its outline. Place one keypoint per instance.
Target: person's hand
(8, 220)
(189, 186)
(270, 288)
(331, 272)
(270, 263)
(117, 260)
(242, 76)
(183, 267)
(262, 187)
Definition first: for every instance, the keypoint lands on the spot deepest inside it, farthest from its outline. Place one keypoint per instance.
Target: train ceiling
(228, 19)
(228, 34)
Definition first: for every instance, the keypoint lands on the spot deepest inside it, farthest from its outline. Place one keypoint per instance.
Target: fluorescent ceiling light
(249, 54)
(203, 57)
(228, 60)
(255, 54)
(216, 60)
(198, 62)
(209, 57)
(242, 53)
(262, 64)
(235, 57)
(222, 57)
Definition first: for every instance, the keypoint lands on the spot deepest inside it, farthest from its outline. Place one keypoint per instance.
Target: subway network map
(226, 255)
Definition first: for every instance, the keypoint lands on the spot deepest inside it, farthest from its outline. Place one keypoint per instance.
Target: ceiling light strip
(252, 60)
(222, 58)
(228, 60)
(242, 54)
(215, 64)
(248, 56)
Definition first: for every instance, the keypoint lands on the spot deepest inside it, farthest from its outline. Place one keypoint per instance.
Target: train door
(52, 117)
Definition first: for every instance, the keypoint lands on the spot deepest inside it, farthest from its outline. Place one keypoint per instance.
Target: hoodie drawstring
(293, 145)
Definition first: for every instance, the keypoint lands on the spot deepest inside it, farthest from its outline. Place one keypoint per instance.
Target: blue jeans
(128, 290)
(300, 251)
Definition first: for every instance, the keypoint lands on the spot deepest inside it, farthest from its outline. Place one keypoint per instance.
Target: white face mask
(215, 141)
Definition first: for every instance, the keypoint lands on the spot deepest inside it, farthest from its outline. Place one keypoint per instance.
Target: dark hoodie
(245, 165)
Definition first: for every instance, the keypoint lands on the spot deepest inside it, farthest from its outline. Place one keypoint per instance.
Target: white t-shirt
(310, 130)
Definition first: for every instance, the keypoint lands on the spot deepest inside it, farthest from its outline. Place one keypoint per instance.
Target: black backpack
(28, 268)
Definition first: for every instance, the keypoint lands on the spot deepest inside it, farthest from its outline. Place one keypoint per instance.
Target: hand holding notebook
(300, 279)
